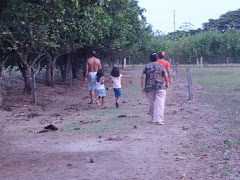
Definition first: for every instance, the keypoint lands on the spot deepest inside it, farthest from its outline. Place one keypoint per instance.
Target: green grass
(225, 76)
(221, 89)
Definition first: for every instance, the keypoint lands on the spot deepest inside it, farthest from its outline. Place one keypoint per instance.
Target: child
(101, 92)
(116, 79)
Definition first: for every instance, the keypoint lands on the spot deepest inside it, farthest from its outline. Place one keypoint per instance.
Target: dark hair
(93, 53)
(153, 57)
(161, 55)
(115, 72)
(99, 74)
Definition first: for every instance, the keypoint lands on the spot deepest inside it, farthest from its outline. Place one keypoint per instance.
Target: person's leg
(98, 101)
(150, 97)
(96, 93)
(92, 85)
(117, 101)
(159, 106)
(118, 95)
(91, 95)
(102, 102)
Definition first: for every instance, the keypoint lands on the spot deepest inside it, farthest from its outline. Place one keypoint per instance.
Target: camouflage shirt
(154, 77)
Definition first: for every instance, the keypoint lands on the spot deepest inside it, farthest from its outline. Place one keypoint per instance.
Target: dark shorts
(117, 92)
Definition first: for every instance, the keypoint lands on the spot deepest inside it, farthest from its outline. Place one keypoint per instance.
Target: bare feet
(98, 103)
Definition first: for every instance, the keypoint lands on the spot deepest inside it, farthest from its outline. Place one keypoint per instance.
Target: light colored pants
(156, 101)
(92, 80)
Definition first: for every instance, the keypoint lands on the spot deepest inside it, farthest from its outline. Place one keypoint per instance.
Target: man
(92, 66)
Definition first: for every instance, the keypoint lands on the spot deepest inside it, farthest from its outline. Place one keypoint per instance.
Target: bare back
(93, 64)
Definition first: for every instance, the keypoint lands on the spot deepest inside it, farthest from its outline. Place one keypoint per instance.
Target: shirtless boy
(92, 66)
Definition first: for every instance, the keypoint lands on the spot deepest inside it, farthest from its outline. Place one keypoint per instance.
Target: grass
(221, 89)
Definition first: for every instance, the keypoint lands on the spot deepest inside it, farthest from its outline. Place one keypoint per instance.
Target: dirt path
(100, 144)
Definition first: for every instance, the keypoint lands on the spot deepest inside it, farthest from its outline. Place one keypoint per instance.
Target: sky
(160, 13)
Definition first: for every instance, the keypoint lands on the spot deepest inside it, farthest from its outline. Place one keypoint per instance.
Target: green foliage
(225, 22)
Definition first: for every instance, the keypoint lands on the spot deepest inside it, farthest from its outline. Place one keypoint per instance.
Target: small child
(116, 79)
(101, 92)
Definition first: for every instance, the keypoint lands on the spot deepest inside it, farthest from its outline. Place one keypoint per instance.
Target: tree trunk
(48, 76)
(25, 62)
(111, 62)
(75, 66)
(26, 73)
(64, 68)
(1, 71)
(1, 100)
(69, 69)
(103, 65)
(51, 66)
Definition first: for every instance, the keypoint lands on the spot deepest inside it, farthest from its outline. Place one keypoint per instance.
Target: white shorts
(92, 78)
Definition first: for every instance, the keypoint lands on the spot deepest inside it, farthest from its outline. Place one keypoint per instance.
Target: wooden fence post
(124, 62)
(201, 62)
(197, 62)
(34, 87)
(228, 60)
(177, 70)
(173, 65)
(190, 85)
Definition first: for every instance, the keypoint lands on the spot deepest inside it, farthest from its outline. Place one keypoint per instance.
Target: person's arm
(103, 80)
(169, 74)
(86, 75)
(143, 79)
(166, 78)
(124, 76)
(108, 80)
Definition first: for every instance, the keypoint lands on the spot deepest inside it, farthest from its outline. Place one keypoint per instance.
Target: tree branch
(35, 59)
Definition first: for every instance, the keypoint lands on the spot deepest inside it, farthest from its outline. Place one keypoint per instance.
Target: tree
(22, 26)
(229, 20)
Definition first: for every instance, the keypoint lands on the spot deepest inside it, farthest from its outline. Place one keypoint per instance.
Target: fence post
(190, 85)
(124, 62)
(197, 62)
(177, 70)
(34, 87)
(201, 62)
(228, 60)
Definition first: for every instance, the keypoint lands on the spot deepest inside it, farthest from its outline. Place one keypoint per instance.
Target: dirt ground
(110, 144)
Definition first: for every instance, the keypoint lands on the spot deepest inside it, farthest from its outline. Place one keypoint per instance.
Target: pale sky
(160, 13)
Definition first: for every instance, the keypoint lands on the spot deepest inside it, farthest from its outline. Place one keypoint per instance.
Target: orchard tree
(22, 26)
